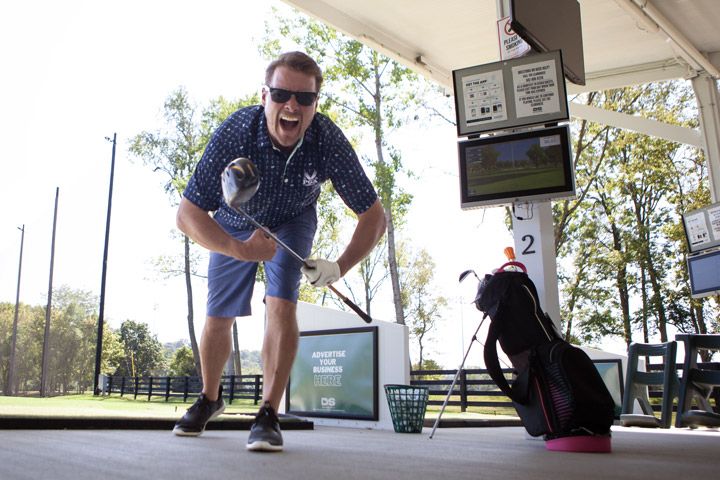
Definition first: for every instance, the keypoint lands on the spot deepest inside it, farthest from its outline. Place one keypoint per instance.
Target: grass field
(78, 406)
(113, 406)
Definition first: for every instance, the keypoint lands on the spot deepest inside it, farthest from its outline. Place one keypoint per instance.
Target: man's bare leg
(215, 348)
(279, 347)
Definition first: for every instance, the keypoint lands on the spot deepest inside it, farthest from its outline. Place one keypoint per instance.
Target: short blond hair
(297, 61)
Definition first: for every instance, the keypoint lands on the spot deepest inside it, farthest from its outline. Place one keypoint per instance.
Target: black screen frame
(550, 25)
(375, 415)
(695, 291)
(505, 68)
(507, 197)
(621, 381)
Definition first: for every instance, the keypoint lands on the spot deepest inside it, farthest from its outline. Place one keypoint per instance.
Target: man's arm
(368, 231)
(204, 230)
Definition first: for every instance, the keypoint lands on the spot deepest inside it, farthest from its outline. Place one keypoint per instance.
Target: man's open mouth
(289, 123)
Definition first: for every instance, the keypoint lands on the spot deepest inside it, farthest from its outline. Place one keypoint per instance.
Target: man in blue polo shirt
(295, 150)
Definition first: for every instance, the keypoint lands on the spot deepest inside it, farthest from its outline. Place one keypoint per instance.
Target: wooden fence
(474, 387)
(234, 387)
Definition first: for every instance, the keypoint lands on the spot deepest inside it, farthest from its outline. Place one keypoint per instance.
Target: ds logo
(327, 402)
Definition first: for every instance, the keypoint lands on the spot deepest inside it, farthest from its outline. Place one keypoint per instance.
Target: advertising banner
(335, 375)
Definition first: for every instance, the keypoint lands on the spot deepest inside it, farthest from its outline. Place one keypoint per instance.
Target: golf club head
(464, 275)
(240, 180)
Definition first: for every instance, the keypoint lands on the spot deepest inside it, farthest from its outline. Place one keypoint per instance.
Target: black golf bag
(557, 392)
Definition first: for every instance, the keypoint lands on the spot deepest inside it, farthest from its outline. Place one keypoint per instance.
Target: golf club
(240, 181)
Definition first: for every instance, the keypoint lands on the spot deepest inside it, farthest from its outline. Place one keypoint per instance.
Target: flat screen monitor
(704, 272)
(611, 372)
(335, 374)
(552, 25)
(535, 165)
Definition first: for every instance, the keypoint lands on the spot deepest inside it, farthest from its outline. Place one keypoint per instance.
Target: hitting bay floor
(344, 453)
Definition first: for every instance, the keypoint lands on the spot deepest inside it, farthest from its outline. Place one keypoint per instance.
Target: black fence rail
(474, 387)
(234, 387)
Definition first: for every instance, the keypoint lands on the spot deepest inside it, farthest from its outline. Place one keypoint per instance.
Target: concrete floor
(344, 453)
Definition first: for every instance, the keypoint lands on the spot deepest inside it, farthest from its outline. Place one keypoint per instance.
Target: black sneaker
(198, 415)
(265, 433)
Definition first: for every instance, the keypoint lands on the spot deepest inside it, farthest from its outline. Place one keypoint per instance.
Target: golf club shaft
(459, 370)
(292, 252)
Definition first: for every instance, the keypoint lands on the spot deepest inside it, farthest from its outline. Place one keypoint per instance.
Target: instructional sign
(512, 93)
(536, 89)
(702, 228)
(484, 97)
(335, 375)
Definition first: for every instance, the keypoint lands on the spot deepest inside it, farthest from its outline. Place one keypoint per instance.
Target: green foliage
(182, 363)
(175, 150)
(367, 92)
(622, 237)
(423, 305)
(428, 364)
(112, 351)
(143, 353)
(251, 362)
(72, 343)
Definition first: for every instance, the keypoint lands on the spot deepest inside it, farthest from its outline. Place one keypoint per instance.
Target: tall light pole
(9, 388)
(48, 309)
(101, 314)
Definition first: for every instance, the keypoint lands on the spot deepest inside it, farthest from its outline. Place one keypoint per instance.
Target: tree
(182, 363)
(71, 361)
(143, 351)
(112, 352)
(175, 152)
(627, 247)
(71, 355)
(423, 306)
(372, 92)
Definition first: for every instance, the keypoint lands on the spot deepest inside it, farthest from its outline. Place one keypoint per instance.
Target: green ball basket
(407, 405)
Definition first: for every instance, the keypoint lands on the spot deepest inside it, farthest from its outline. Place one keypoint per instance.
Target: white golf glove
(321, 273)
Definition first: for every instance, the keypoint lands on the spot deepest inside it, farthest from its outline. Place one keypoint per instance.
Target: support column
(706, 94)
(534, 235)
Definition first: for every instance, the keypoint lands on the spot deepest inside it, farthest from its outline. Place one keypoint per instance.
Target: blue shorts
(231, 281)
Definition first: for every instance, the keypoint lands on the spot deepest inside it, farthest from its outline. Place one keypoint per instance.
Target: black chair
(636, 385)
(697, 384)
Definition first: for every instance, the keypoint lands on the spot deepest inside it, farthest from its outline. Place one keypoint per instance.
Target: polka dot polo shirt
(289, 183)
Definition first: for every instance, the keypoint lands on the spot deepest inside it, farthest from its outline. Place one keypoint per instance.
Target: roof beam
(651, 19)
(633, 75)
(634, 123)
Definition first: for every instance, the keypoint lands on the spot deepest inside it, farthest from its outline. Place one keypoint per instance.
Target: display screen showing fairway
(506, 169)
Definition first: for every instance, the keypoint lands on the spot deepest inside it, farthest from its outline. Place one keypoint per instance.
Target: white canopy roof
(625, 41)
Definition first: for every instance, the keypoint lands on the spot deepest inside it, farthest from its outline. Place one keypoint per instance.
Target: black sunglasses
(280, 95)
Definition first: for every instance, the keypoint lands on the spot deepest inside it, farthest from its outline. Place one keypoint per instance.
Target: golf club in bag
(462, 365)
(240, 181)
